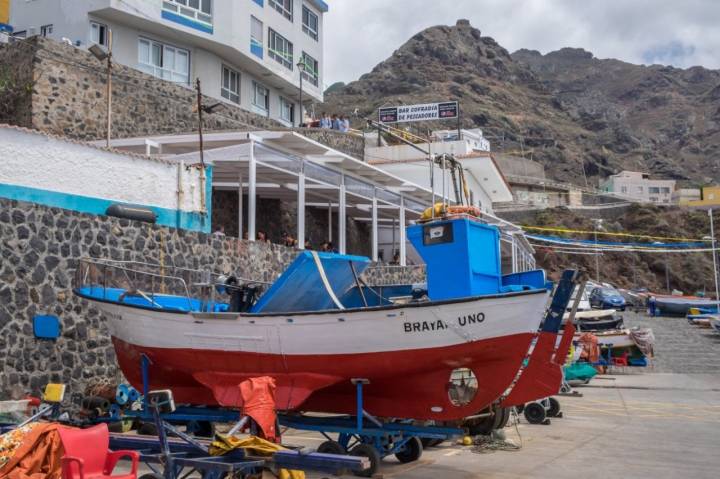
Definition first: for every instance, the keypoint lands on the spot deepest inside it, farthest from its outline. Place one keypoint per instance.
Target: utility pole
(715, 266)
(202, 152)
(598, 225)
(109, 88)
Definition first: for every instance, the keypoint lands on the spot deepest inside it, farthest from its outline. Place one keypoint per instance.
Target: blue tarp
(301, 288)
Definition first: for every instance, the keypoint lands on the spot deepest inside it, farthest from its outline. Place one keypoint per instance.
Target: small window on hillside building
(230, 84)
(46, 30)
(98, 34)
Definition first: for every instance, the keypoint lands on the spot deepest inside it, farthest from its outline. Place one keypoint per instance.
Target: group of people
(334, 122)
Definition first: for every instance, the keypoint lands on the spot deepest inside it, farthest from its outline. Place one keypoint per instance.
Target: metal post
(458, 123)
(667, 275)
(715, 261)
(374, 228)
(342, 220)
(330, 226)
(597, 258)
(432, 177)
(252, 200)
(145, 372)
(403, 251)
(240, 206)
(109, 88)
(301, 209)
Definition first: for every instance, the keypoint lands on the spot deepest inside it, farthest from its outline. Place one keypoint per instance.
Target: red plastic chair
(87, 455)
(621, 360)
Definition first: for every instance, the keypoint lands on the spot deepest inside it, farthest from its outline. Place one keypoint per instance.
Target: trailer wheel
(366, 450)
(554, 410)
(535, 413)
(331, 447)
(412, 452)
(147, 429)
(201, 429)
(481, 426)
(152, 475)
(503, 416)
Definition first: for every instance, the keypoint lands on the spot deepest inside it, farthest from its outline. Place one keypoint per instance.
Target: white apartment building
(639, 186)
(245, 52)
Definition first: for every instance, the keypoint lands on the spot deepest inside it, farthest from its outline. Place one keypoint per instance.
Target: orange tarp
(31, 452)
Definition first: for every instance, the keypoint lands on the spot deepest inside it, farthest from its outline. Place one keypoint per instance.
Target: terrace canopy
(288, 166)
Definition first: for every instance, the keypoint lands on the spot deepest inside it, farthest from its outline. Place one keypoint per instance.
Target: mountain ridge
(582, 117)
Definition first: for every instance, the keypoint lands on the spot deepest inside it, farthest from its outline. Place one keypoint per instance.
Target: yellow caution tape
(607, 233)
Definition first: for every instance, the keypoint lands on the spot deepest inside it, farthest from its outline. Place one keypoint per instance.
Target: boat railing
(104, 277)
(147, 280)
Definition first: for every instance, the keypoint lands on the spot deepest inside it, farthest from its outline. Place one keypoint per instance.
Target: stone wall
(62, 90)
(16, 84)
(352, 145)
(40, 248)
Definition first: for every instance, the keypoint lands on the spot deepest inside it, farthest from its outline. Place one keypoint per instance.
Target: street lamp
(301, 68)
(101, 55)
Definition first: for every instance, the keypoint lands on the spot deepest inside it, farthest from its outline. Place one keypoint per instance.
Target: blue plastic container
(462, 257)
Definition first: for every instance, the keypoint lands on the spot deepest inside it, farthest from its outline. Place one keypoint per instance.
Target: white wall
(34, 160)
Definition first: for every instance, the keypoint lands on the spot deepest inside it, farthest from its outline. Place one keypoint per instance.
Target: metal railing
(149, 280)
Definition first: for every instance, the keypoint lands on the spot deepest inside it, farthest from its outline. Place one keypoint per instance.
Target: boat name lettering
(422, 326)
(471, 319)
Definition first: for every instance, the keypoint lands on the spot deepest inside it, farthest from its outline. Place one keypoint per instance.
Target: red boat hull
(543, 376)
(403, 384)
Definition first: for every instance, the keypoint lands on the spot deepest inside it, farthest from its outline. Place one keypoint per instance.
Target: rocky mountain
(582, 117)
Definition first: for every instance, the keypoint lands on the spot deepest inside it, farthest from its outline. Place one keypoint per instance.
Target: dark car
(607, 298)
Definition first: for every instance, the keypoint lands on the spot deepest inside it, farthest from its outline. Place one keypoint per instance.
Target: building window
(287, 110)
(256, 37)
(310, 23)
(665, 190)
(280, 49)
(285, 7)
(653, 190)
(261, 97)
(623, 189)
(640, 189)
(230, 84)
(200, 10)
(311, 69)
(164, 61)
(46, 30)
(98, 34)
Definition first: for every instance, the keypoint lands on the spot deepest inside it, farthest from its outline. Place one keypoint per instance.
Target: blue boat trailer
(362, 435)
(179, 457)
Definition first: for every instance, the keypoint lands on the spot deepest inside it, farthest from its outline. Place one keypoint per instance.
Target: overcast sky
(361, 33)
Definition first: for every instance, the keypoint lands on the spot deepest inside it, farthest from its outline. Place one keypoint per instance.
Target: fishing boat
(597, 320)
(671, 305)
(314, 331)
(615, 338)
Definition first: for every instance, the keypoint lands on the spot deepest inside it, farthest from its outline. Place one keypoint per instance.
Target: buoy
(467, 441)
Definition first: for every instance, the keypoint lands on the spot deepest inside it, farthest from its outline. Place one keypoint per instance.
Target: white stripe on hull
(338, 332)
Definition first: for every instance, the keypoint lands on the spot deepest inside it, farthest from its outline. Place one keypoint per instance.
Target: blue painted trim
(260, 2)
(185, 21)
(256, 50)
(320, 5)
(4, 27)
(98, 206)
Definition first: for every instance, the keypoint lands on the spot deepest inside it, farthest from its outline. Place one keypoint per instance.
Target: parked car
(607, 298)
